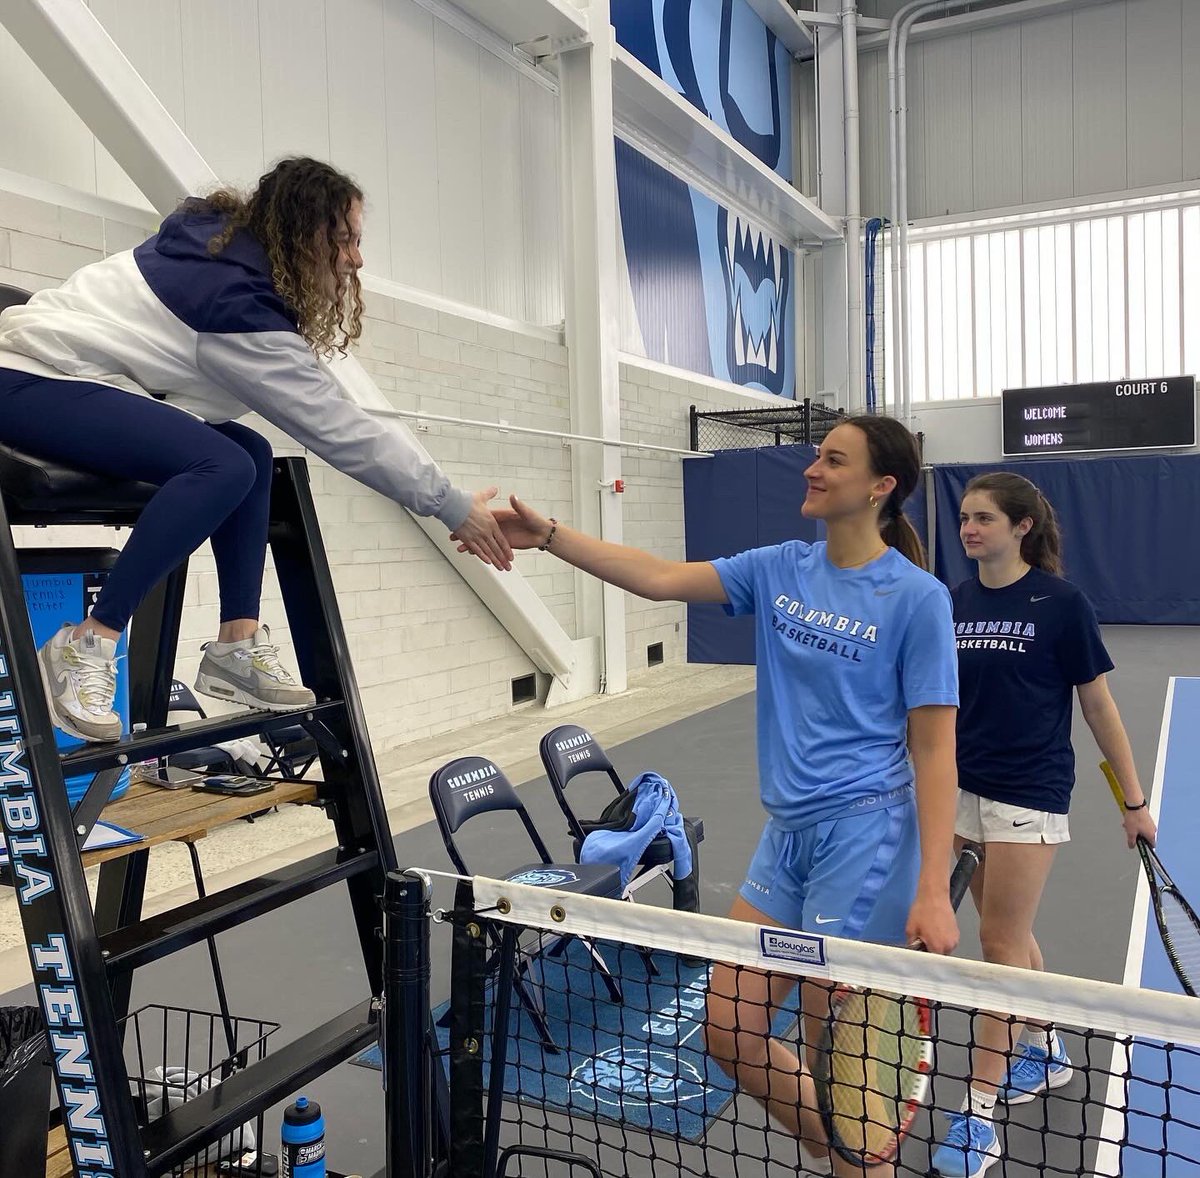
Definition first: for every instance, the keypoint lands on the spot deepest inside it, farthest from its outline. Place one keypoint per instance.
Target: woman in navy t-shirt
(1026, 640)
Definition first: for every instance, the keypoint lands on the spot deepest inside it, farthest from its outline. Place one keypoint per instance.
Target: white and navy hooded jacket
(211, 336)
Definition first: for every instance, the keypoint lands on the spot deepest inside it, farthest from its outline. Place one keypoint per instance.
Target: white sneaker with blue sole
(1033, 1071)
(969, 1147)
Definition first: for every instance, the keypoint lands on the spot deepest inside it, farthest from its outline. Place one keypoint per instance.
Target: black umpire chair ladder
(83, 962)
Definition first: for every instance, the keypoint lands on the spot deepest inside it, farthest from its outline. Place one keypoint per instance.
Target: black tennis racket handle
(968, 860)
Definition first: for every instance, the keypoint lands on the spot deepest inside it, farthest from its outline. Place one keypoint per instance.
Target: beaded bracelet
(549, 538)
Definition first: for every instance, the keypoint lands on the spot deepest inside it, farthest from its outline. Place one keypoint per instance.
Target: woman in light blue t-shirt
(856, 675)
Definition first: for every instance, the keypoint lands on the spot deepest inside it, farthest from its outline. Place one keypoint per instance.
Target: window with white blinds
(1078, 295)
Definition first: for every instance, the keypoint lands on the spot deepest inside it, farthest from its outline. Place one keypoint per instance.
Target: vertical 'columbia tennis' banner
(712, 291)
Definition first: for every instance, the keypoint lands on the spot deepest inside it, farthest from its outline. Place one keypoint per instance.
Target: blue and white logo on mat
(783, 945)
(552, 877)
(637, 1075)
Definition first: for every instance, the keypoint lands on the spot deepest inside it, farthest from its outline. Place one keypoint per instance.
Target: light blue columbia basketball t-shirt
(843, 656)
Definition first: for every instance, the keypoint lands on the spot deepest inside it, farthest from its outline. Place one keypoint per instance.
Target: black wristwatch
(1140, 806)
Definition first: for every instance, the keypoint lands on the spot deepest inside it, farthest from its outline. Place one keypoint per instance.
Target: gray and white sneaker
(80, 678)
(249, 672)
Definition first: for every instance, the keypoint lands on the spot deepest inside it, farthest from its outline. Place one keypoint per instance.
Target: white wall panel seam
(1182, 296)
(1020, 255)
(1125, 275)
(262, 125)
(974, 326)
(182, 72)
(328, 80)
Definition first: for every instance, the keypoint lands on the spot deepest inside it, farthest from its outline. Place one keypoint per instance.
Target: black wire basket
(173, 1054)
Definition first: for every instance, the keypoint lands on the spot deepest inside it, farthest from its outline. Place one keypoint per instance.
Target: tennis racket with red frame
(876, 1055)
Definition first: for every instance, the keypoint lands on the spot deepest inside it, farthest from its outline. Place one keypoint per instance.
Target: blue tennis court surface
(640, 1063)
(1164, 1088)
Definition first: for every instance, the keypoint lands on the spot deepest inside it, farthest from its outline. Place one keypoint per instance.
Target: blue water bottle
(303, 1138)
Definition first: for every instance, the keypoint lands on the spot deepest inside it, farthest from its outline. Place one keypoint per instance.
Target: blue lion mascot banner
(712, 291)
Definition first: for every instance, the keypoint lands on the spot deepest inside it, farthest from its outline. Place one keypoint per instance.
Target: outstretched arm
(276, 374)
(642, 573)
(1100, 712)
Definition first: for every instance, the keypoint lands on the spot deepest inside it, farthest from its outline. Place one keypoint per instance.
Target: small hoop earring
(872, 501)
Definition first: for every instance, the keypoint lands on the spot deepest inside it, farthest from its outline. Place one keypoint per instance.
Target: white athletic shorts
(982, 820)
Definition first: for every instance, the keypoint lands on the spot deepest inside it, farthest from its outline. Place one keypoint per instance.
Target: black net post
(468, 980)
(406, 1076)
(507, 966)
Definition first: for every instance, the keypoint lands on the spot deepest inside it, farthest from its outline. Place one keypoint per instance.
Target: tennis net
(613, 1072)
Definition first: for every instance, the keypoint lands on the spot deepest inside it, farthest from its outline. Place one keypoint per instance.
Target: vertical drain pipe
(854, 256)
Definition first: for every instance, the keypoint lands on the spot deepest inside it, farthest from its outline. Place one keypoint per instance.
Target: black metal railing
(799, 423)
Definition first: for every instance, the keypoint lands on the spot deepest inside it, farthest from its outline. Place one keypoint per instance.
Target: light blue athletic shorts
(853, 876)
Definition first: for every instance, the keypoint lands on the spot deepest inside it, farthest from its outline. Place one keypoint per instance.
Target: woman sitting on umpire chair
(137, 367)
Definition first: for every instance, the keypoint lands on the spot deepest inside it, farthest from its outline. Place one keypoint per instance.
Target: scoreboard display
(1108, 415)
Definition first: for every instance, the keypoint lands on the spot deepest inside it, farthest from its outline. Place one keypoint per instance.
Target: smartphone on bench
(170, 777)
(235, 784)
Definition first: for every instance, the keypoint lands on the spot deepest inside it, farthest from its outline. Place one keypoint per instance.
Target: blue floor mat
(641, 1063)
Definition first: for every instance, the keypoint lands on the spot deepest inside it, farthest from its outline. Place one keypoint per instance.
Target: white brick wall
(427, 655)
(654, 410)
(41, 243)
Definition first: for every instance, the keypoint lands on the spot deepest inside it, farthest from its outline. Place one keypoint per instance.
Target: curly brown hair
(286, 212)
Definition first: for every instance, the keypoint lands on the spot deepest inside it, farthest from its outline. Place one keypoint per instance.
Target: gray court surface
(301, 965)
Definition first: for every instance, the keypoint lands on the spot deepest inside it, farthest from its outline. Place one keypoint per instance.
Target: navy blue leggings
(214, 481)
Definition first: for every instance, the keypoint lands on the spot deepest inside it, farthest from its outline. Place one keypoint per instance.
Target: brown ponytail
(898, 533)
(893, 450)
(1018, 499)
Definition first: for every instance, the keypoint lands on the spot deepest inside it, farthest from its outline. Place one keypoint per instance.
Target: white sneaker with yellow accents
(80, 678)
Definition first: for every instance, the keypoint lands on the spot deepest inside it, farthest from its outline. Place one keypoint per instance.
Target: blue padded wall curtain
(1131, 538)
(741, 499)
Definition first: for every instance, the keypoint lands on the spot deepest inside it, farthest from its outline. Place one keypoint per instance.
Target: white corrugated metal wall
(1041, 299)
(456, 148)
(1057, 112)
(1101, 100)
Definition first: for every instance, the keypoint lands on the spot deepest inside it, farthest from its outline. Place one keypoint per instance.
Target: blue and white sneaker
(969, 1147)
(1032, 1071)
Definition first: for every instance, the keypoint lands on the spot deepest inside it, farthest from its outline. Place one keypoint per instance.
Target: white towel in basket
(179, 1085)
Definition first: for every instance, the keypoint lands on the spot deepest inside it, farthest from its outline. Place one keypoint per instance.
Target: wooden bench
(185, 815)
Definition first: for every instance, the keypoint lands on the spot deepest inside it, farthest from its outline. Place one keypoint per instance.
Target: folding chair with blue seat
(470, 786)
(290, 752)
(209, 759)
(570, 751)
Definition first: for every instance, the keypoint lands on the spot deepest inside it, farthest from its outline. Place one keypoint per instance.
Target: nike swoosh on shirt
(1044, 597)
(827, 919)
(884, 592)
(1025, 823)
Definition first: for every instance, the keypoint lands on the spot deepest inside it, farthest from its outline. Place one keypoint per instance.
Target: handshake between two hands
(491, 533)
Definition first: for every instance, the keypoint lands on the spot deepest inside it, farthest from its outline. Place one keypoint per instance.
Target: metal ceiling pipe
(854, 221)
(898, 34)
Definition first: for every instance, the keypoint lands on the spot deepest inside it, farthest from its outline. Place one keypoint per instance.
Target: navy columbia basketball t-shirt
(1021, 651)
